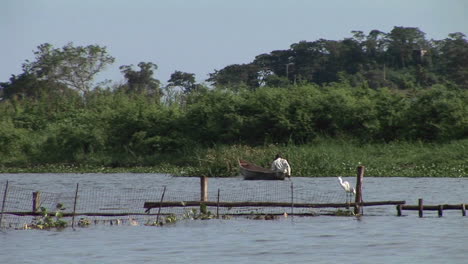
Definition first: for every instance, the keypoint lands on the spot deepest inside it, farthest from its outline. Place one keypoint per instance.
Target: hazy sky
(200, 36)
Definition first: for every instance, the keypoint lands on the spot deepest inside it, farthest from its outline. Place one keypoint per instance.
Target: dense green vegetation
(52, 119)
(115, 130)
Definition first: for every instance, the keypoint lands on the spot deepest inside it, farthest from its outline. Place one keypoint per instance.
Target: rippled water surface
(377, 237)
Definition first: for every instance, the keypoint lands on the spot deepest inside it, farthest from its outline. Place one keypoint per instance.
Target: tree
(453, 58)
(306, 59)
(277, 62)
(23, 85)
(142, 81)
(276, 81)
(28, 86)
(236, 75)
(375, 46)
(73, 66)
(402, 42)
(184, 80)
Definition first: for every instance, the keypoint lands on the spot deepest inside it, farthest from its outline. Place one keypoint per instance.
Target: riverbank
(321, 158)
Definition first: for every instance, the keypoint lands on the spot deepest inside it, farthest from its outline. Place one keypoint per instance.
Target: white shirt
(282, 165)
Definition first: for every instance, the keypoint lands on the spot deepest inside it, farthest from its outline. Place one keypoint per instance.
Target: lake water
(377, 237)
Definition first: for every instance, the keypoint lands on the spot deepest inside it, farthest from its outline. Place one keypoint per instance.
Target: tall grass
(321, 158)
(331, 157)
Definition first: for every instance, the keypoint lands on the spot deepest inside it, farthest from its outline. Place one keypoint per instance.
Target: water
(378, 237)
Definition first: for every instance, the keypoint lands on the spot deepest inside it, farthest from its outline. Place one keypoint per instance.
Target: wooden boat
(251, 171)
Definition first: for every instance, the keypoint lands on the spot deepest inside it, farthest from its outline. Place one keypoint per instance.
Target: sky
(201, 36)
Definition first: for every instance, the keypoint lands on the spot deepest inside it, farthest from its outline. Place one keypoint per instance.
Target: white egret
(350, 191)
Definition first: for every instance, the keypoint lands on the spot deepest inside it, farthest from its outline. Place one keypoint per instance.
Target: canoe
(251, 171)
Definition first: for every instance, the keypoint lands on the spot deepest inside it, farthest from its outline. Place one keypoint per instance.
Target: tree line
(366, 88)
(400, 59)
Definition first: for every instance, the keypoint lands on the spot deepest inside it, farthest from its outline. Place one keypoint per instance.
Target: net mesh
(126, 204)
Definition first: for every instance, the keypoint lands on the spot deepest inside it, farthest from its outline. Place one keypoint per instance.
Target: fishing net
(125, 205)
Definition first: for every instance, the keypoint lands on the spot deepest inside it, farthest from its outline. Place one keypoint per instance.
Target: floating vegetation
(169, 219)
(341, 212)
(83, 222)
(266, 217)
(269, 216)
(193, 214)
(48, 220)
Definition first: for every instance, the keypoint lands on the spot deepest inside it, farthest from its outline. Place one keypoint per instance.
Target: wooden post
(398, 208)
(74, 205)
(441, 210)
(358, 200)
(217, 206)
(36, 201)
(160, 205)
(463, 208)
(204, 189)
(420, 207)
(292, 199)
(3, 203)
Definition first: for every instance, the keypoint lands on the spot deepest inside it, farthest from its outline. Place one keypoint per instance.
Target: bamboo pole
(74, 205)
(358, 200)
(3, 203)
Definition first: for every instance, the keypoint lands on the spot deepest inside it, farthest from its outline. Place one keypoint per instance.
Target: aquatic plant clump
(48, 220)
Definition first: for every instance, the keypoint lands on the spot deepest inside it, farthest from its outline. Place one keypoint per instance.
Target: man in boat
(282, 165)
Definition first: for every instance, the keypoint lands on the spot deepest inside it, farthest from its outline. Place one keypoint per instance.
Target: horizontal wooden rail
(439, 208)
(434, 207)
(150, 205)
(76, 214)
